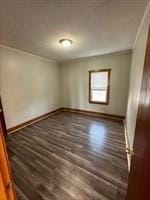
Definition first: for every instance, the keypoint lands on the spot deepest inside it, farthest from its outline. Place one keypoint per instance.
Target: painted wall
(29, 85)
(75, 82)
(136, 76)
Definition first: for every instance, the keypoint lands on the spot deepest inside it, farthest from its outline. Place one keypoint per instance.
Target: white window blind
(99, 86)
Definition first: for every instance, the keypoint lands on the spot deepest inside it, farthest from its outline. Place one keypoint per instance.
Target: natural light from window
(99, 86)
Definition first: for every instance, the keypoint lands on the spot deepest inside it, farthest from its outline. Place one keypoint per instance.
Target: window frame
(108, 87)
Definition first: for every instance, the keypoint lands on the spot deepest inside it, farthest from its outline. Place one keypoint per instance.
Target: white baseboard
(127, 145)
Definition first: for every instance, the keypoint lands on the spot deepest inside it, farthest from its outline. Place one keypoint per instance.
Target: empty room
(74, 100)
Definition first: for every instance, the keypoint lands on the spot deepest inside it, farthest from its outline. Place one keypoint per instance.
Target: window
(99, 86)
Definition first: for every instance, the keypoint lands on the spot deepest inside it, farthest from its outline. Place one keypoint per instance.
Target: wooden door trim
(3, 119)
(5, 168)
(2, 188)
(139, 179)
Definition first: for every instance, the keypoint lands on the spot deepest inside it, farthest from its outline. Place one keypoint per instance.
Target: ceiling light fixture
(65, 42)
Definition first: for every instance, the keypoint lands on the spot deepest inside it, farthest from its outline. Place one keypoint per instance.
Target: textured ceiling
(95, 26)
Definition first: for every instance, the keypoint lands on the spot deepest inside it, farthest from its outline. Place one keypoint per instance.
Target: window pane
(99, 80)
(99, 95)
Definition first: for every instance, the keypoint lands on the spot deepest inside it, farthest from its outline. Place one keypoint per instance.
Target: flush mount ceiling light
(65, 42)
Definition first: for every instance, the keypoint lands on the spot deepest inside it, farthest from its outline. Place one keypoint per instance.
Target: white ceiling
(95, 26)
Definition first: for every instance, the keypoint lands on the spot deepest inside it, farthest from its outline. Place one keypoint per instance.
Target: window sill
(97, 102)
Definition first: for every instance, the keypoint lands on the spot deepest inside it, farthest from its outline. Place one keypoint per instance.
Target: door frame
(2, 119)
(6, 180)
(139, 177)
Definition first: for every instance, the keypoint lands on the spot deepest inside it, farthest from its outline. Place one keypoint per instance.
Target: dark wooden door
(139, 179)
(2, 119)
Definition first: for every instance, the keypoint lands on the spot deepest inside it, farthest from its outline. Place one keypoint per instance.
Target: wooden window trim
(108, 86)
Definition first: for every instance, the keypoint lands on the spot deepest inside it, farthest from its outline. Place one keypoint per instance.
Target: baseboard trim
(32, 121)
(128, 148)
(112, 117)
(96, 114)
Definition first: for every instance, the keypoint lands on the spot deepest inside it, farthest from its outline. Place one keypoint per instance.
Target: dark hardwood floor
(69, 157)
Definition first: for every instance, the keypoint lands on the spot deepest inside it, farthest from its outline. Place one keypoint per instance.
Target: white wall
(30, 85)
(75, 82)
(136, 76)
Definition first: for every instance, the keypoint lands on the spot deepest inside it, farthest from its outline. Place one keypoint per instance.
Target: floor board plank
(69, 156)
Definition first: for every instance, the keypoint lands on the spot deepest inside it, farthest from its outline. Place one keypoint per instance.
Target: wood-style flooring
(69, 156)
